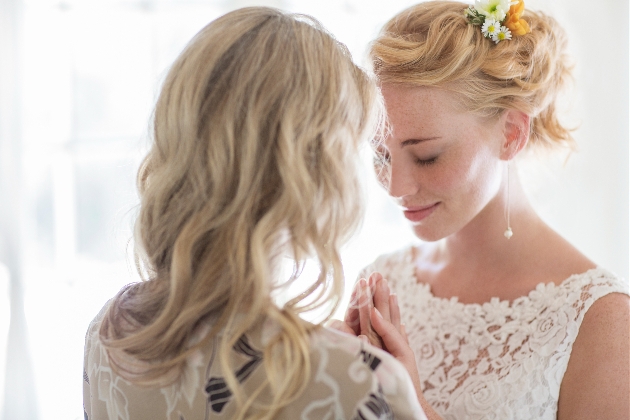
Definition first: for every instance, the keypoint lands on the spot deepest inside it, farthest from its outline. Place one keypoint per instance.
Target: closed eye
(426, 162)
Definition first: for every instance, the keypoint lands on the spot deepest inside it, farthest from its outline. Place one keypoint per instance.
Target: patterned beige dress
(350, 380)
(497, 360)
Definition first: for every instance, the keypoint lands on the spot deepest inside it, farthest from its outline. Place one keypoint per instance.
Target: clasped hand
(374, 316)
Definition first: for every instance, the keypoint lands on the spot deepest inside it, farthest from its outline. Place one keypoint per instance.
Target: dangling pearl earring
(508, 232)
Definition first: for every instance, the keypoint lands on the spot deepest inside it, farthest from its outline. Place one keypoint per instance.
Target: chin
(429, 234)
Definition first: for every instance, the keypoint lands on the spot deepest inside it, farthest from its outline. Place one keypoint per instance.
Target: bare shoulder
(597, 381)
(558, 258)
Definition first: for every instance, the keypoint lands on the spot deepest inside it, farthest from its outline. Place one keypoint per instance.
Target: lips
(416, 214)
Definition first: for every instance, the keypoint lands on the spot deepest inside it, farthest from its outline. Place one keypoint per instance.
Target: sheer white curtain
(17, 383)
(77, 82)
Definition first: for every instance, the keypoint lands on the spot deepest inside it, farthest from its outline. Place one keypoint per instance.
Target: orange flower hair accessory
(513, 19)
(499, 19)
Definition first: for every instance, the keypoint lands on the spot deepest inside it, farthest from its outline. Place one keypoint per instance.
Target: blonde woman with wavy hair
(507, 320)
(255, 141)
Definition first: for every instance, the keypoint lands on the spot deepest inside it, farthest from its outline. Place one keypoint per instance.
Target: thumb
(397, 345)
(393, 340)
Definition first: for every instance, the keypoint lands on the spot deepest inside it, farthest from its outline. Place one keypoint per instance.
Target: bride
(507, 320)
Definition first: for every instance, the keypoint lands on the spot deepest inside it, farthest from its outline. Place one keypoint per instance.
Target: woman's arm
(596, 384)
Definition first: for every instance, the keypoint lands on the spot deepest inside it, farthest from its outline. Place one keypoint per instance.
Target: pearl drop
(508, 233)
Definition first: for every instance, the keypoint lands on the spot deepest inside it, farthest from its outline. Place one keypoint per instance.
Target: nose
(401, 180)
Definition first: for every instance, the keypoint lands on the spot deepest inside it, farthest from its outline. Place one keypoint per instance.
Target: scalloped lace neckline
(408, 263)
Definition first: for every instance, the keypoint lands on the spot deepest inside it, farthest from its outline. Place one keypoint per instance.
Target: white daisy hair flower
(490, 28)
(494, 9)
(503, 35)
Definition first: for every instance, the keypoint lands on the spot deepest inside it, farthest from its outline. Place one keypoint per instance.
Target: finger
(335, 324)
(392, 339)
(403, 332)
(381, 296)
(374, 278)
(351, 317)
(364, 339)
(354, 296)
(398, 347)
(365, 306)
(394, 311)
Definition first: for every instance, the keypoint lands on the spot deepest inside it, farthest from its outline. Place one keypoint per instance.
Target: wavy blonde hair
(432, 44)
(256, 135)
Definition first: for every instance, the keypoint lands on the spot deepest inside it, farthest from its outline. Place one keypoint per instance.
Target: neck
(482, 244)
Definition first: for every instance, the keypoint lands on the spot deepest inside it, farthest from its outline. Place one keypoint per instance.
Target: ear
(515, 133)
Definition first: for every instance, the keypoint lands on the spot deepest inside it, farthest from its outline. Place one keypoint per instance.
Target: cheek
(470, 177)
(484, 184)
(454, 174)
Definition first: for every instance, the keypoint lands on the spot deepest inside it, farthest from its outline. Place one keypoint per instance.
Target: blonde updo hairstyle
(432, 44)
(255, 140)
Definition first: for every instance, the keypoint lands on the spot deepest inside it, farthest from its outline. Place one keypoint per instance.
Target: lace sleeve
(592, 286)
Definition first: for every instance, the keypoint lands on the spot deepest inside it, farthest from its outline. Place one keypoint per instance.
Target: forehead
(405, 101)
(411, 109)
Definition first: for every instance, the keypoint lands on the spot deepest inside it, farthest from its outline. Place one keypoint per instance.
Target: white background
(78, 80)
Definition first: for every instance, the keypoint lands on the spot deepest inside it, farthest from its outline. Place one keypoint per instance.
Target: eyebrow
(411, 142)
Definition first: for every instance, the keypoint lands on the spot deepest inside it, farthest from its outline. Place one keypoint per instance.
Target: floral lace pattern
(500, 359)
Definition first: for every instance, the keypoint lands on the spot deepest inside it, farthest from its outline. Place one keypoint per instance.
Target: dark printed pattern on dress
(375, 407)
(369, 359)
(218, 392)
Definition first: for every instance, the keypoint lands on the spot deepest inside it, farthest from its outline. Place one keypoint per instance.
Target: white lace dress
(497, 360)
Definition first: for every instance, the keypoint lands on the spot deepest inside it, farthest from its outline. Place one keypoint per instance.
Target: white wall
(587, 199)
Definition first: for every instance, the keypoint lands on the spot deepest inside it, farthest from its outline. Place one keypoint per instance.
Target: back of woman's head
(254, 126)
(255, 140)
(433, 44)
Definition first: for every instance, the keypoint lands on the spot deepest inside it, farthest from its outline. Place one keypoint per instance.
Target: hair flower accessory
(499, 19)
(494, 9)
(513, 20)
(490, 28)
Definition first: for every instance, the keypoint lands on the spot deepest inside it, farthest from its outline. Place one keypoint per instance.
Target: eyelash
(384, 158)
(426, 162)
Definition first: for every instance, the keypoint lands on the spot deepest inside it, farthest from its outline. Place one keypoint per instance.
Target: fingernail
(364, 339)
(378, 313)
(394, 298)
